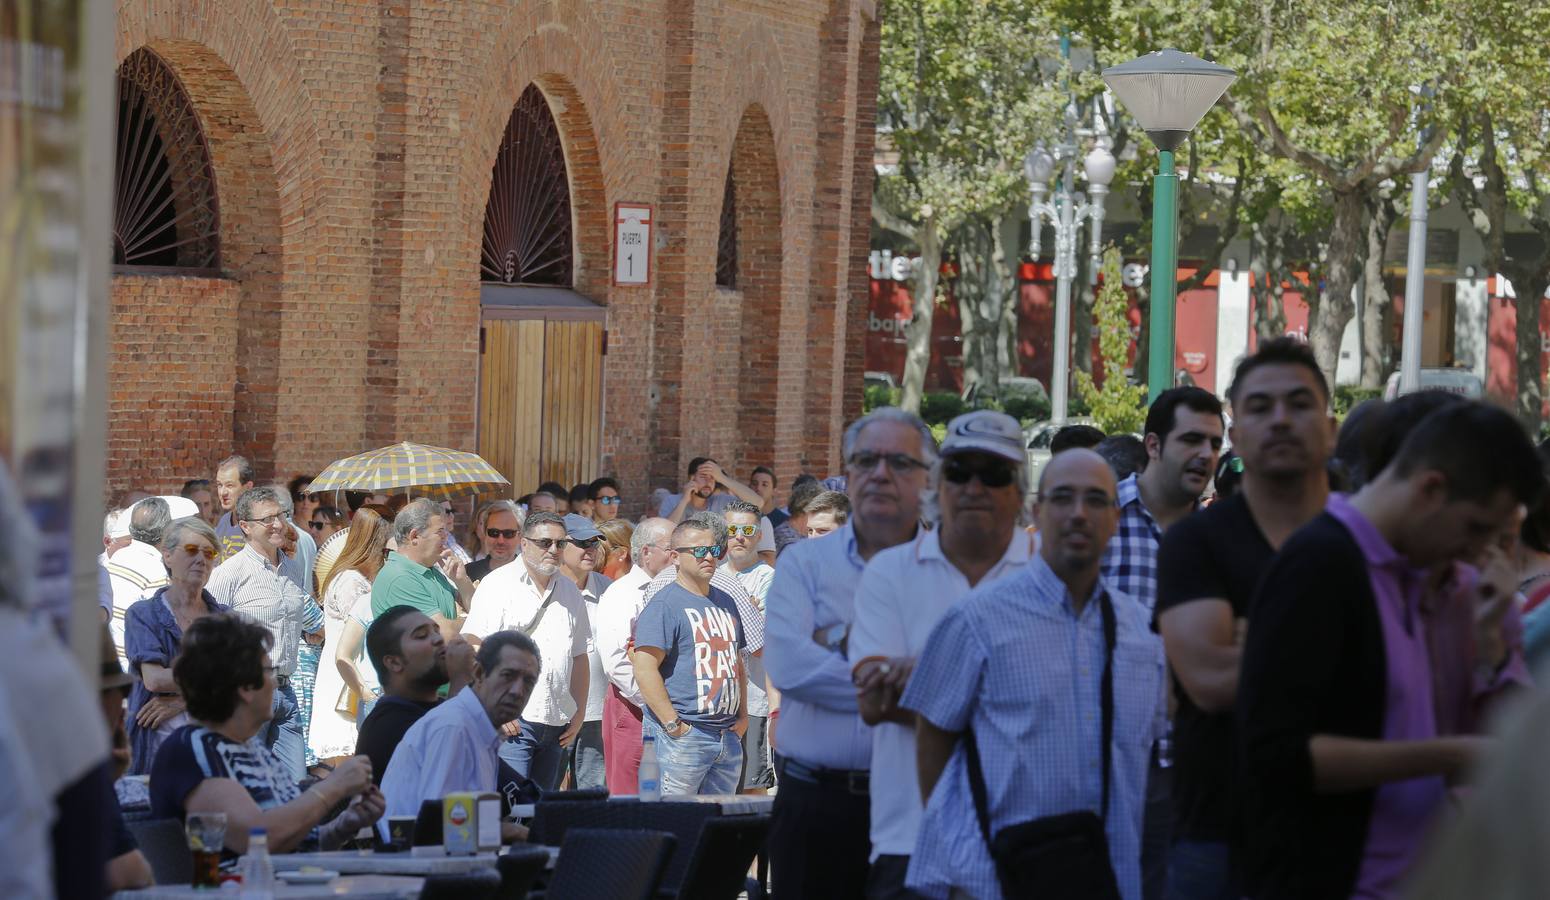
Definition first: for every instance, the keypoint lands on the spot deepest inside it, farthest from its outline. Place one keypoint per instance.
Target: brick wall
(353, 142)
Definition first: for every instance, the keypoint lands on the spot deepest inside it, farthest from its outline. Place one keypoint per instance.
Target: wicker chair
(718, 869)
(520, 866)
(482, 884)
(610, 864)
(166, 848)
(685, 820)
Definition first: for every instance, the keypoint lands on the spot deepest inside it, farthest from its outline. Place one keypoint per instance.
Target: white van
(1454, 381)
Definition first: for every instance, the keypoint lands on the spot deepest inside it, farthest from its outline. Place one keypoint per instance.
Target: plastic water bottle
(650, 771)
(257, 869)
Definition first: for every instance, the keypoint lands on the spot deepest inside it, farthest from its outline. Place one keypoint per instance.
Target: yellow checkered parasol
(420, 469)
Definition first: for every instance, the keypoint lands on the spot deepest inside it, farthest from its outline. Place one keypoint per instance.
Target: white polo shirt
(903, 593)
(597, 682)
(508, 598)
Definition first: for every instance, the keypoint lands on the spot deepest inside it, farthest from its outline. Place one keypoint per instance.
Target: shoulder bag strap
(977, 783)
(1110, 637)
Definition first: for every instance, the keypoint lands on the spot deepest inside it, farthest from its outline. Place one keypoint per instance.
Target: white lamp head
(1038, 166)
(1168, 92)
(1099, 164)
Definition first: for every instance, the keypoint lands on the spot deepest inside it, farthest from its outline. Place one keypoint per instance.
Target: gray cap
(580, 528)
(985, 431)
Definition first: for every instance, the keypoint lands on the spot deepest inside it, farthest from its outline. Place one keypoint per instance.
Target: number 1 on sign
(630, 261)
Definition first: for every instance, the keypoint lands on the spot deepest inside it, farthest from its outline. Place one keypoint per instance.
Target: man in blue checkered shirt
(1183, 438)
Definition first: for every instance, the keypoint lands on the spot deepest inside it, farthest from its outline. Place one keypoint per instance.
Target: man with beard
(1183, 435)
(412, 661)
(1207, 569)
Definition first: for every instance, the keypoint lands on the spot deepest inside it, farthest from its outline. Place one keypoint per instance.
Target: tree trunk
(999, 300)
(1266, 264)
(1376, 302)
(1327, 320)
(917, 334)
(1082, 319)
(1530, 287)
(969, 289)
(1006, 343)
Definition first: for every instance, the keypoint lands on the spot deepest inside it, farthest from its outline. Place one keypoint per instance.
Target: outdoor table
(360, 887)
(420, 861)
(729, 804)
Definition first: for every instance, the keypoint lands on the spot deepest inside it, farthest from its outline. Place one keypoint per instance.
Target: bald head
(1076, 512)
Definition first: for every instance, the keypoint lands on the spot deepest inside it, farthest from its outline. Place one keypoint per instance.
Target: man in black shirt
(412, 661)
(1208, 567)
(502, 538)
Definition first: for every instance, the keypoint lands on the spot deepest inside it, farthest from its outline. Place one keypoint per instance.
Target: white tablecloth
(361, 887)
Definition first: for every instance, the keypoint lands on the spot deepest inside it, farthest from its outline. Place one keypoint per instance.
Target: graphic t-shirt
(702, 638)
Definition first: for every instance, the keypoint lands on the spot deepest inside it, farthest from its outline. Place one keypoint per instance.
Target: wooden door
(540, 400)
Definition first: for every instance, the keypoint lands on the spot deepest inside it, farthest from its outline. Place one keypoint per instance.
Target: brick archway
(217, 339)
(757, 186)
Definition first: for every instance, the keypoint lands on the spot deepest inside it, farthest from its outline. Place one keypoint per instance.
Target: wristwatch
(672, 727)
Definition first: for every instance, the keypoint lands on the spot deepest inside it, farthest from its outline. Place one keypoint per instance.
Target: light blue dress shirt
(815, 588)
(453, 748)
(1014, 661)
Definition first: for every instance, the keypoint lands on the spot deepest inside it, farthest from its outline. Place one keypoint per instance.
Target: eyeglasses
(992, 476)
(310, 498)
(1091, 500)
(546, 543)
(587, 544)
(744, 530)
(902, 463)
(507, 533)
(609, 501)
(195, 549)
(267, 521)
(316, 526)
(702, 552)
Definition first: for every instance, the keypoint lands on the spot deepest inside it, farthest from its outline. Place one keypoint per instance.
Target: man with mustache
(1183, 435)
(1207, 569)
(1052, 680)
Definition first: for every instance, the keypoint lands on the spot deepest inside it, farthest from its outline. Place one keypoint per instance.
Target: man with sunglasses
(582, 557)
(819, 831)
(689, 666)
(604, 494)
(744, 533)
(535, 598)
(979, 486)
(503, 537)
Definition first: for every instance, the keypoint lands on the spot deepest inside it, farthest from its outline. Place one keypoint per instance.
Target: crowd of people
(1253, 655)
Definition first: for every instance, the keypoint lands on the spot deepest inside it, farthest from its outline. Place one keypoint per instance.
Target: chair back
(611, 864)
(427, 825)
(719, 867)
(481, 884)
(683, 819)
(520, 867)
(166, 848)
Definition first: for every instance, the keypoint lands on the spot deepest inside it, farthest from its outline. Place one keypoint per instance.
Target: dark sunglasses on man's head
(609, 501)
(702, 552)
(991, 475)
(507, 533)
(546, 543)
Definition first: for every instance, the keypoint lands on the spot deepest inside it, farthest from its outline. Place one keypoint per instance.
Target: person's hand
(1493, 595)
(364, 810)
(452, 567)
(1463, 751)
(512, 728)
(158, 711)
(512, 833)
(885, 677)
(349, 778)
(717, 475)
(740, 727)
(460, 661)
(690, 490)
(572, 729)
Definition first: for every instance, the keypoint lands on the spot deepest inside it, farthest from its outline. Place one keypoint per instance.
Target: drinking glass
(206, 834)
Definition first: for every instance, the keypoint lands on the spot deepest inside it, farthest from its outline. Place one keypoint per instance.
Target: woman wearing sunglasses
(153, 630)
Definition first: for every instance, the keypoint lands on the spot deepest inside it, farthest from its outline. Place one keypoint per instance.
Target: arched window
(527, 221)
(164, 205)
(726, 242)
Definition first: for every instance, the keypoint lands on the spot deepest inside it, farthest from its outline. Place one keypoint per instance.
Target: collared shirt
(1017, 663)
(509, 598)
(597, 682)
(1130, 561)
(451, 749)
(404, 582)
(1401, 810)
(306, 557)
(617, 611)
(135, 572)
(756, 581)
(152, 635)
(815, 588)
(266, 593)
(902, 595)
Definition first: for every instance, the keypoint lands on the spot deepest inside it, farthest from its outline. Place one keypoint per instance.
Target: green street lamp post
(1168, 92)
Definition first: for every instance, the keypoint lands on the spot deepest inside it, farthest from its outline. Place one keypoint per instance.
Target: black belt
(855, 781)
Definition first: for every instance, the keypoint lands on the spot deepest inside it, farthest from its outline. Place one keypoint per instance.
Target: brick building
(343, 223)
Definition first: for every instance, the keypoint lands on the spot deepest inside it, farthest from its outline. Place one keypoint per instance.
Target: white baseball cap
(179, 507)
(985, 431)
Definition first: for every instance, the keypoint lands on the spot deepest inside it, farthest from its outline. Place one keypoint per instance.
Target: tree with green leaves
(1117, 405)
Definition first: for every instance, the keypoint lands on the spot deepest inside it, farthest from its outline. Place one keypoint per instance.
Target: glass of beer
(206, 833)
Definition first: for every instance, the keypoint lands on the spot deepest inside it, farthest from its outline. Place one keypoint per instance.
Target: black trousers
(820, 839)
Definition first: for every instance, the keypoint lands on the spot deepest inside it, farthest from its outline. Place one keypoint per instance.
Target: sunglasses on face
(587, 544)
(507, 533)
(608, 501)
(307, 498)
(316, 526)
(195, 549)
(702, 552)
(546, 543)
(991, 476)
(900, 463)
(744, 530)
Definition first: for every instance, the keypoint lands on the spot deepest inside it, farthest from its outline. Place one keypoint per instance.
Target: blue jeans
(536, 754)
(284, 734)
(586, 758)
(1200, 870)
(701, 762)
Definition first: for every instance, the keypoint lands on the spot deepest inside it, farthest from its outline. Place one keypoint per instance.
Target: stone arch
(756, 181)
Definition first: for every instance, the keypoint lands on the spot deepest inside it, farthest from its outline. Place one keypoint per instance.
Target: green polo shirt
(403, 582)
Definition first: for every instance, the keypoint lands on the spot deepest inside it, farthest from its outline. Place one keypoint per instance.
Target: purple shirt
(1401, 810)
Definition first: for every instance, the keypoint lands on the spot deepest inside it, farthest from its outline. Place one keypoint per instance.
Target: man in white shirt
(537, 600)
(617, 610)
(744, 532)
(582, 556)
(262, 583)
(977, 494)
(453, 748)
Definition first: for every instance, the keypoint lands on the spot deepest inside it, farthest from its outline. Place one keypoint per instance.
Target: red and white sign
(632, 243)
